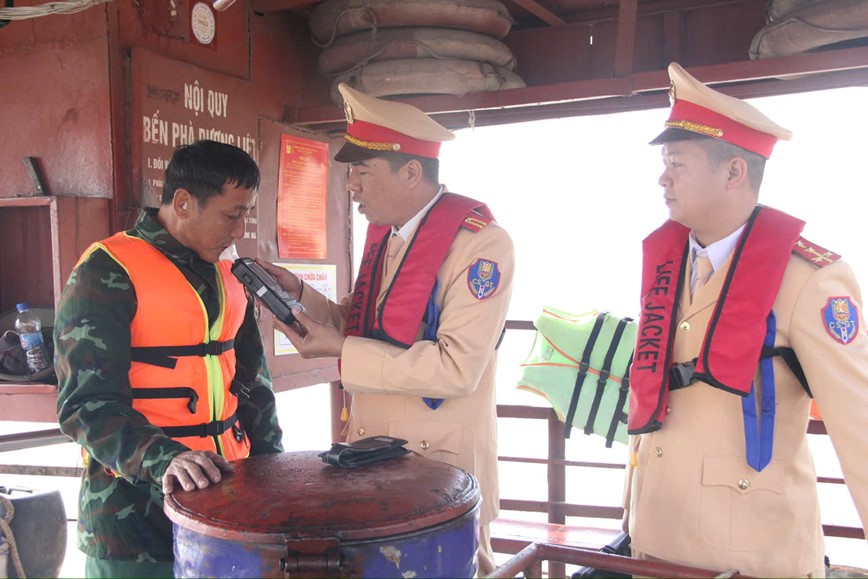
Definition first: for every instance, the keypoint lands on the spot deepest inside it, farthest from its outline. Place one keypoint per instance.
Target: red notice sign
(302, 186)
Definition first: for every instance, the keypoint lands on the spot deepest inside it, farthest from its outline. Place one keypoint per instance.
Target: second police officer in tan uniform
(417, 338)
(721, 474)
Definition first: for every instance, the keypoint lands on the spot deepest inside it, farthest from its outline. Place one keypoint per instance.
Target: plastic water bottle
(29, 328)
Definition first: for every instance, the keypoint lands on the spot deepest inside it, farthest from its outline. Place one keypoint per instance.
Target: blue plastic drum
(291, 515)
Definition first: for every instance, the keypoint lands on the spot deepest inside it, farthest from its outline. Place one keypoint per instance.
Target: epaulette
(475, 221)
(817, 255)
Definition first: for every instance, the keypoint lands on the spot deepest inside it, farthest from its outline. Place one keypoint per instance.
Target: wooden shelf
(28, 402)
(45, 236)
(25, 201)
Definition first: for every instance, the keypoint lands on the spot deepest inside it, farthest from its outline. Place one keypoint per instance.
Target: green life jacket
(580, 364)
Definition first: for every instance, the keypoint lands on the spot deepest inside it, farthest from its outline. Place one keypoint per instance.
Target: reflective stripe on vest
(193, 395)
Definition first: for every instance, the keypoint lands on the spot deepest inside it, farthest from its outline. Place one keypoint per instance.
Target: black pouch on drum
(620, 545)
(364, 451)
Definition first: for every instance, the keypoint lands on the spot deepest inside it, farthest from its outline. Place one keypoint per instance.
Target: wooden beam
(265, 6)
(25, 440)
(673, 36)
(28, 402)
(541, 12)
(806, 72)
(536, 552)
(625, 39)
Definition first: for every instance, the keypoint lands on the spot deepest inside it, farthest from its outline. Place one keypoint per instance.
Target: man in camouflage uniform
(130, 461)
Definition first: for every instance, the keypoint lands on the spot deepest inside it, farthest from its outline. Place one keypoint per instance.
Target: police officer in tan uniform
(431, 383)
(721, 474)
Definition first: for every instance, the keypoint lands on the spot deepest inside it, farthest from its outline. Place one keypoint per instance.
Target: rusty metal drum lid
(295, 496)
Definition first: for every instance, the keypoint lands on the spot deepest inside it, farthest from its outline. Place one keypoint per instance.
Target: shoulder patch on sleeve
(483, 278)
(475, 221)
(819, 256)
(841, 319)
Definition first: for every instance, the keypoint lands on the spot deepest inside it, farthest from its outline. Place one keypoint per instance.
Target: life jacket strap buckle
(682, 375)
(239, 390)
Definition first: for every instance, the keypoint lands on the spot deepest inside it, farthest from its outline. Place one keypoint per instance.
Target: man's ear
(181, 202)
(736, 172)
(414, 172)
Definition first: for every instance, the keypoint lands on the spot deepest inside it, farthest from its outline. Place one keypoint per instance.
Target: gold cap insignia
(348, 112)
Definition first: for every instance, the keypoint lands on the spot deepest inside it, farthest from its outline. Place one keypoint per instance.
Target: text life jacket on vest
(182, 371)
(731, 348)
(402, 309)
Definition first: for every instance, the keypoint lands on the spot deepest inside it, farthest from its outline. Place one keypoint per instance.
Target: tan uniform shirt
(693, 499)
(388, 382)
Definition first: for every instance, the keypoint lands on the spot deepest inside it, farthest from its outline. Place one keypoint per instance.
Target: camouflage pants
(101, 568)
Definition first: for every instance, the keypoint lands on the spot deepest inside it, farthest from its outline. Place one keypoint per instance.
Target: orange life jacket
(182, 371)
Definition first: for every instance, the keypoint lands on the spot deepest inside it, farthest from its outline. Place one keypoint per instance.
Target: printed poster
(302, 187)
(321, 277)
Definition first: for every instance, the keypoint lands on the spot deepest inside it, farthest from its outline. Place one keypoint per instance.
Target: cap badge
(671, 93)
(348, 112)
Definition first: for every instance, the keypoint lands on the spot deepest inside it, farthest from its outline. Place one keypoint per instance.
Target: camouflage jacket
(122, 517)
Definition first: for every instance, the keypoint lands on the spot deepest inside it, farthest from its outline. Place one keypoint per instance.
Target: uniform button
(658, 451)
(423, 445)
(684, 326)
(743, 484)
(361, 431)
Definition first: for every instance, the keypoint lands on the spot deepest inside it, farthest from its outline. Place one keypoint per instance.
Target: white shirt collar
(407, 229)
(718, 251)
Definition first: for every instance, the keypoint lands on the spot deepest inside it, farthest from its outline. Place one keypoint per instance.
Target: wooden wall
(75, 95)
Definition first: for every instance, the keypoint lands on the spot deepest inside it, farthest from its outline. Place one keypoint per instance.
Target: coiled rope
(6, 531)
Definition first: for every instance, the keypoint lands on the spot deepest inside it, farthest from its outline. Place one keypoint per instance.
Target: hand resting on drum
(195, 469)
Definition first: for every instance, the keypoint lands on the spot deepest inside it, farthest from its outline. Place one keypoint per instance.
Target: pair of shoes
(12, 358)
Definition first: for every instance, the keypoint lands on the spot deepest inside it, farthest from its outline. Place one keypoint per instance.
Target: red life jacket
(733, 342)
(400, 314)
(182, 368)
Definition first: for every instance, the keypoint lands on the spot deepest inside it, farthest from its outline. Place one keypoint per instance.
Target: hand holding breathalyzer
(256, 279)
(275, 287)
(312, 339)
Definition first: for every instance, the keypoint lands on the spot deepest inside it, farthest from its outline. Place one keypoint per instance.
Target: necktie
(395, 244)
(703, 270)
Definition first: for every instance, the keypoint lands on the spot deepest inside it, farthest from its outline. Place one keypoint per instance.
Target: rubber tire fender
(811, 27)
(334, 18)
(364, 47)
(426, 76)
